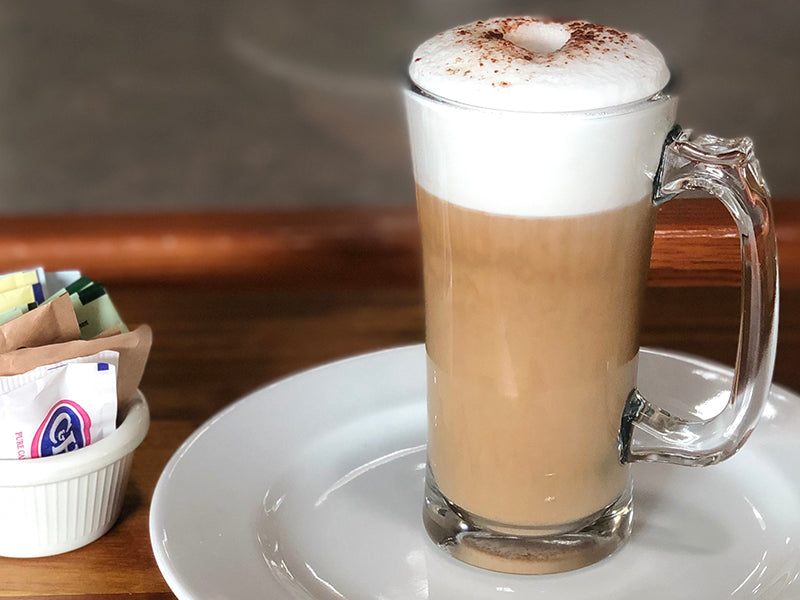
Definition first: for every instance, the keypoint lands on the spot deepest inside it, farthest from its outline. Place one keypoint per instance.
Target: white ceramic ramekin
(56, 504)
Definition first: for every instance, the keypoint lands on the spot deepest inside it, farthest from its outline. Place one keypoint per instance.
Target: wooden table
(238, 300)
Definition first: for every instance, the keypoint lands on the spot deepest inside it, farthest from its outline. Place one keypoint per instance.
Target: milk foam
(523, 63)
(533, 150)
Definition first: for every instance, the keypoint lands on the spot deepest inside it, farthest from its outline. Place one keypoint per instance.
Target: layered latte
(534, 145)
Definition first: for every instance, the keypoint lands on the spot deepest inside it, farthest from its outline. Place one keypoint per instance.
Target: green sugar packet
(16, 311)
(94, 310)
(93, 307)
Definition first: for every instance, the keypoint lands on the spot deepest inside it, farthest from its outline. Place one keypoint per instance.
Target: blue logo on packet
(65, 428)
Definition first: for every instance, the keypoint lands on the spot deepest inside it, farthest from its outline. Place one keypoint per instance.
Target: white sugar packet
(58, 408)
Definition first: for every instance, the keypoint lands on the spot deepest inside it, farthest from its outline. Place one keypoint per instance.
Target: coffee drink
(536, 230)
(537, 147)
(532, 338)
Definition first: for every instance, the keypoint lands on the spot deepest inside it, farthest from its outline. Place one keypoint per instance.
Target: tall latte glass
(540, 151)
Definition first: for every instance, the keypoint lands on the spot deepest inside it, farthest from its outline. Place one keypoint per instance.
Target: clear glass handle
(727, 169)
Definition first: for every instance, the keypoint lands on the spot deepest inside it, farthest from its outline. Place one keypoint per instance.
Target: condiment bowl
(59, 503)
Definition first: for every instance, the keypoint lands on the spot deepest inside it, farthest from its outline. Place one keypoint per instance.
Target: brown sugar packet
(49, 323)
(115, 330)
(133, 348)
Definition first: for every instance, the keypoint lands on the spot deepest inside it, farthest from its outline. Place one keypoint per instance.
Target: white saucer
(312, 488)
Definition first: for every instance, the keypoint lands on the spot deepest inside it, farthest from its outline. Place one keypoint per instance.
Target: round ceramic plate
(312, 488)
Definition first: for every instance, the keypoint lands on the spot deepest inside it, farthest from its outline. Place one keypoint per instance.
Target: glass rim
(659, 97)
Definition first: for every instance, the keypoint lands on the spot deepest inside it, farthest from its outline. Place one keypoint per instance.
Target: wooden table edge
(695, 244)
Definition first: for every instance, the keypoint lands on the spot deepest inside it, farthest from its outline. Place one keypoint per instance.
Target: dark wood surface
(695, 244)
(219, 337)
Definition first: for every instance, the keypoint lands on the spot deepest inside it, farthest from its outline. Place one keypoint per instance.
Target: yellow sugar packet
(11, 281)
(21, 296)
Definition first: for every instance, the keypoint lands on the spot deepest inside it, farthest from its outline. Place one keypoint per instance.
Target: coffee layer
(529, 64)
(532, 337)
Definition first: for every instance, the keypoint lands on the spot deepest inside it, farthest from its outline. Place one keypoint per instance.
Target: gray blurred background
(123, 105)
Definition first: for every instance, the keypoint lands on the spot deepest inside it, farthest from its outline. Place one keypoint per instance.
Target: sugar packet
(133, 348)
(58, 408)
(21, 296)
(21, 291)
(95, 312)
(17, 279)
(48, 324)
(16, 311)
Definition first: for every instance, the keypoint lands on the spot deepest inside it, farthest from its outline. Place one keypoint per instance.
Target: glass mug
(532, 322)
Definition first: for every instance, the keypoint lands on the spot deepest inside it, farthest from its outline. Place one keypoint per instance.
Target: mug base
(525, 550)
